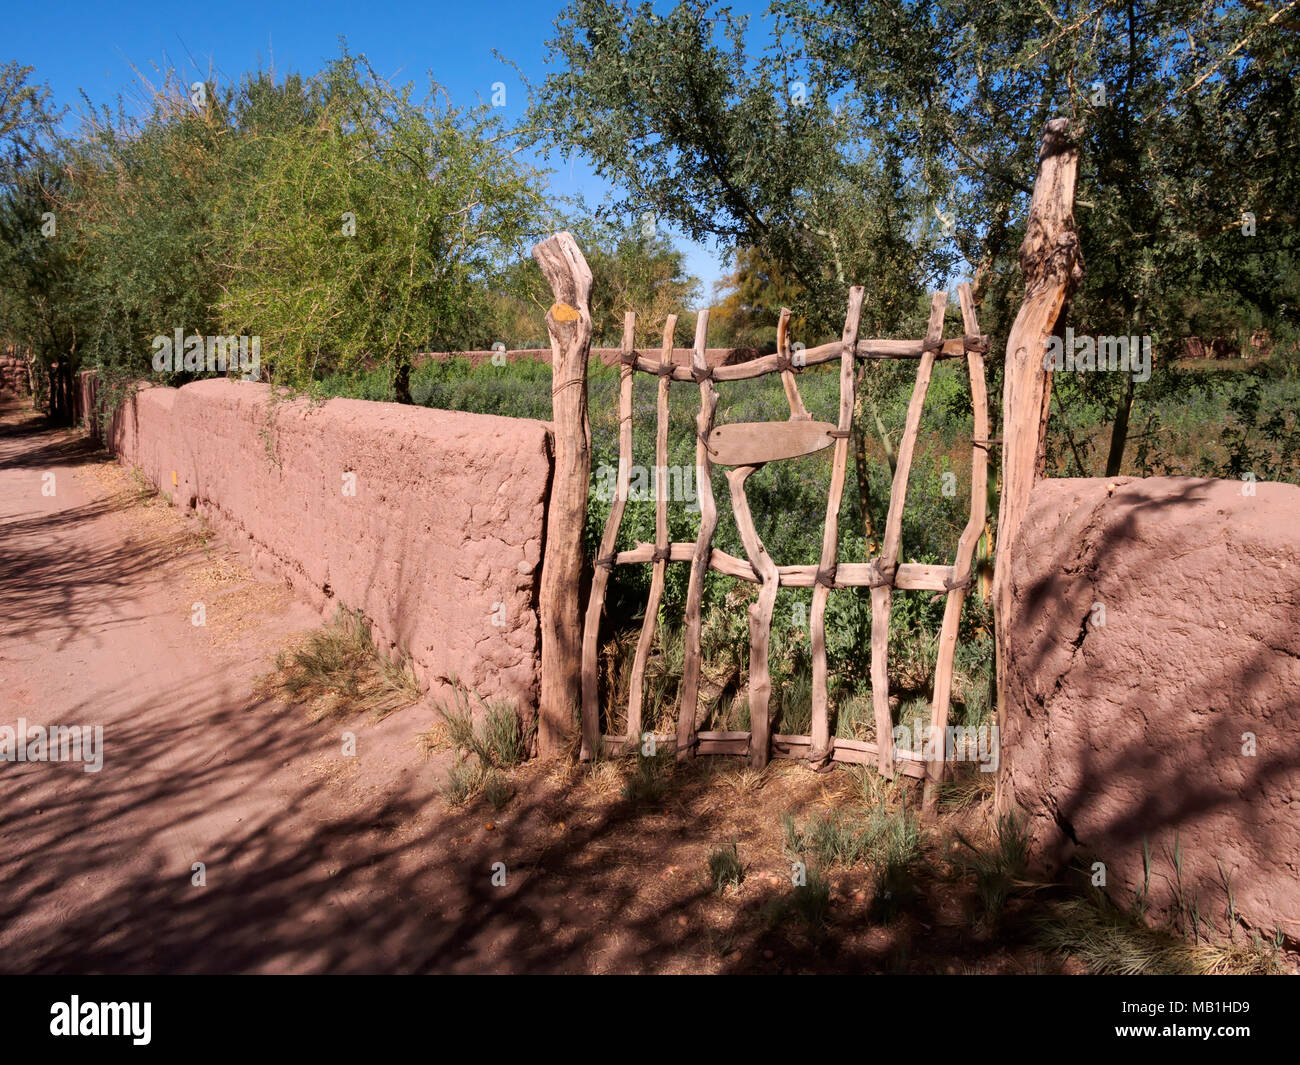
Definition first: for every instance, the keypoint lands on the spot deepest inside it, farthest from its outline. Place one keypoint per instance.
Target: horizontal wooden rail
(738, 363)
(794, 748)
(865, 349)
(910, 576)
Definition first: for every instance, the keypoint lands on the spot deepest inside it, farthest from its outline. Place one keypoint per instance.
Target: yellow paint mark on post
(174, 481)
(562, 312)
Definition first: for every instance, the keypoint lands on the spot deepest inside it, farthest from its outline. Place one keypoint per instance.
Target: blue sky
(93, 46)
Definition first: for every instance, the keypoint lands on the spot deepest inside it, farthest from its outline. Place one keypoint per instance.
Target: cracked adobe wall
(443, 534)
(1142, 729)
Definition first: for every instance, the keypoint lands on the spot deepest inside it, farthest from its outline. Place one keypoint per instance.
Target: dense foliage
(342, 221)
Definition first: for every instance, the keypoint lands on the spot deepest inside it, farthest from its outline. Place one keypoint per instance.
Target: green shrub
(497, 740)
(496, 788)
(725, 868)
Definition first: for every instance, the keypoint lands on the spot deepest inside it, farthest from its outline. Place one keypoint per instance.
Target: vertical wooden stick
(880, 608)
(963, 563)
(881, 595)
(569, 324)
(798, 412)
(760, 620)
(1053, 267)
(819, 751)
(591, 735)
(690, 690)
(646, 639)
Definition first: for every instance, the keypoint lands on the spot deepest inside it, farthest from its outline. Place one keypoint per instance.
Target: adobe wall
(428, 521)
(13, 374)
(1173, 719)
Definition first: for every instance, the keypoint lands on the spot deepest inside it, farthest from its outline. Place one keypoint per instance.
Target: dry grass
(868, 859)
(1109, 940)
(965, 791)
(487, 744)
(744, 781)
(685, 867)
(337, 671)
(602, 779)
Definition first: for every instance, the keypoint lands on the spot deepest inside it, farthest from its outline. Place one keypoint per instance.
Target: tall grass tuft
(650, 778)
(496, 741)
(999, 870)
(338, 671)
(725, 868)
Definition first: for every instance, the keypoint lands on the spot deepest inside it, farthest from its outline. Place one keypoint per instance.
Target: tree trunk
(862, 398)
(1119, 431)
(863, 474)
(60, 395)
(402, 381)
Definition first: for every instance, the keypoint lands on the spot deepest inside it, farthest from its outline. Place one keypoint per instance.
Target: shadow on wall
(1154, 662)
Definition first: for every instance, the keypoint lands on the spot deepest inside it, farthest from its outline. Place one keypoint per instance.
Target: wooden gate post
(569, 324)
(1053, 267)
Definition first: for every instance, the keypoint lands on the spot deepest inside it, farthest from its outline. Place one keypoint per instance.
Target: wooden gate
(1052, 267)
(742, 448)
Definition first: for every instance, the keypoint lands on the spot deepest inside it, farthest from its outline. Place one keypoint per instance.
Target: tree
(894, 144)
(633, 270)
(38, 313)
(748, 301)
(372, 231)
(26, 117)
(1184, 110)
(697, 133)
(335, 218)
(138, 204)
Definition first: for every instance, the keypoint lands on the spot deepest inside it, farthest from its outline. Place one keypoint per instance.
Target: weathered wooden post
(1052, 265)
(591, 735)
(569, 324)
(689, 693)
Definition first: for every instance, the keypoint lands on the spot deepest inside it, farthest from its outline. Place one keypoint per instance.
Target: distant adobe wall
(1173, 719)
(13, 374)
(440, 546)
